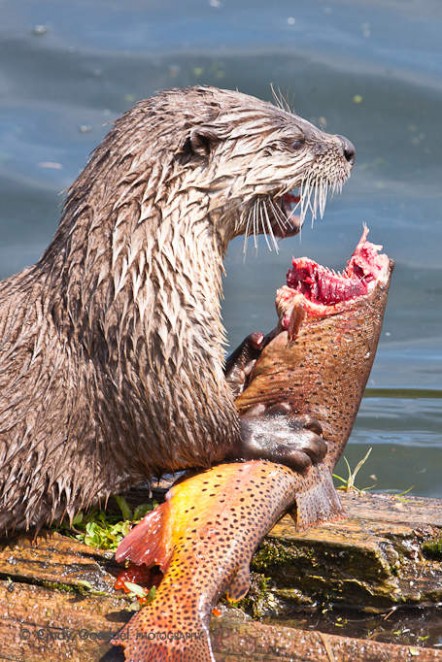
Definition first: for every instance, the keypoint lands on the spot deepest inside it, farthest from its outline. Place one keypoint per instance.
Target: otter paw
(240, 363)
(276, 434)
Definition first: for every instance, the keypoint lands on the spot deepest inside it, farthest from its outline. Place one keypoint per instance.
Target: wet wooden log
(384, 554)
(234, 640)
(57, 599)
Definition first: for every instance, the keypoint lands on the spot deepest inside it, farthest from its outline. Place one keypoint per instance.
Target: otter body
(112, 346)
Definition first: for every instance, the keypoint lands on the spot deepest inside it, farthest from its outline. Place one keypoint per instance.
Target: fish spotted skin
(203, 538)
(322, 367)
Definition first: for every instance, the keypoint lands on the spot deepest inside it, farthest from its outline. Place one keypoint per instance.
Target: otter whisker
(281, 219)
(323, 191)
(269, 225)
(264, 228)
(251, 229)
(246, 234)
(337, 186)
(306, 199)
(314, 192)
(265, 224)
(279, 99)
(255, 225)
(315, 201)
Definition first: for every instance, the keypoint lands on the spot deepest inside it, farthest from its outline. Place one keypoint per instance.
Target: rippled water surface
(369, 70)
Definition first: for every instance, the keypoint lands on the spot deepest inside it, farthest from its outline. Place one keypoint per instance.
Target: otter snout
(348, 148)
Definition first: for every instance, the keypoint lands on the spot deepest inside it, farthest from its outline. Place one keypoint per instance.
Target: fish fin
(150, 541)
(319, 502)
(240, 584)
(296, 320)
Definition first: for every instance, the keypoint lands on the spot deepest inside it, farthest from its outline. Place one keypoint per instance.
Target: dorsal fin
(240, 584)
(318, 503)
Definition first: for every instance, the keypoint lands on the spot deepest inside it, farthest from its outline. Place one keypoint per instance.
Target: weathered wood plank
(47, 624)
(374, 559)
(233, 641)
(57, 599)
(43, 624)
(57, 559)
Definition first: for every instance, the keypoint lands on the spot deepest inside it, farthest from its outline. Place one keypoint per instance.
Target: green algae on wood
(432, 549)
(375, 561)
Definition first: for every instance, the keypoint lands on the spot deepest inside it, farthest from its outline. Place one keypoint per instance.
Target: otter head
(147, 222)
(254, 167)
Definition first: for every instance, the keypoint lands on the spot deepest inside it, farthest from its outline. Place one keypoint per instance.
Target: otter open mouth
(320, 291)
(308, 198)
(279, 215)
(290, 224)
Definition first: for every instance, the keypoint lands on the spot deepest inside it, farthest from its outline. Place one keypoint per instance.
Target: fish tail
(318, 502)
(151, 639)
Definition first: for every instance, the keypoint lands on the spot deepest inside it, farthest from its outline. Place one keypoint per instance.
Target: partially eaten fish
(325, 343)
(204, 535)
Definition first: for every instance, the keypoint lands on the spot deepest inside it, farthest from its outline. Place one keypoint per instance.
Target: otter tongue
(291, 199)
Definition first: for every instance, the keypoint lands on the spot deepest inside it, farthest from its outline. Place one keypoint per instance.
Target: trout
(204, 535)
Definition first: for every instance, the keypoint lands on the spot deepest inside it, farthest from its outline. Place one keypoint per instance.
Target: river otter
(111, 345)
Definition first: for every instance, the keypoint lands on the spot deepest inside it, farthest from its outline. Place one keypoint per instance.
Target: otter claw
(280, 409)
(306, 422)
(240, 363)
(296, 460)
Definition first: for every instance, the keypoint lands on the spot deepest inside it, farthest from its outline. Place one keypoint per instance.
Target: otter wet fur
(111, 345)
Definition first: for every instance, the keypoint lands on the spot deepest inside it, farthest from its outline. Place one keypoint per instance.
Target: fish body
(205, 533)
(203, 538)
(325, 344)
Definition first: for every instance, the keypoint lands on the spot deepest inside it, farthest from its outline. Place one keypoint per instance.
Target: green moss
(432, 549)
(272, 554)
(260, 601)
(293, 596)
(64, 588)
(302, 573)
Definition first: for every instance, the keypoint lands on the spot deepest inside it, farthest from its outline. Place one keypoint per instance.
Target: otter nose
(348, 149)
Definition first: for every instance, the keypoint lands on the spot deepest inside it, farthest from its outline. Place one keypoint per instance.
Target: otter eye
(298, 143)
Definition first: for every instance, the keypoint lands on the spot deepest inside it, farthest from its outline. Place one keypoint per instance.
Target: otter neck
(137, 285)
(157, 279)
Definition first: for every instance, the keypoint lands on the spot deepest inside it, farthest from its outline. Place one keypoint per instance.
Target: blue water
(369, 70)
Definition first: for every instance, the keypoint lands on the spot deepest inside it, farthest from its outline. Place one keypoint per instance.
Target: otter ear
(198, 144)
